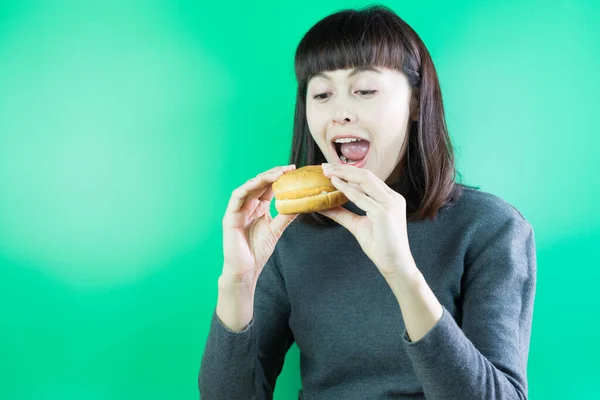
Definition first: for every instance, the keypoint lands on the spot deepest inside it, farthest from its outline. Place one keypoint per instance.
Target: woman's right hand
(250, 233)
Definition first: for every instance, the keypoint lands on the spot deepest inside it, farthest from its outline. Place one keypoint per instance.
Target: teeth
(347, 140)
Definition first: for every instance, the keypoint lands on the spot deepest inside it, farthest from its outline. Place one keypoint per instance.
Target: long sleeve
(486, 356)
(245, 365)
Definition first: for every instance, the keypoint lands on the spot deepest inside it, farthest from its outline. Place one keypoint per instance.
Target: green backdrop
(125, 127)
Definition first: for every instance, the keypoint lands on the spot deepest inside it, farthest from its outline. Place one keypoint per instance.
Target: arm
(487, 358)
(244, 362)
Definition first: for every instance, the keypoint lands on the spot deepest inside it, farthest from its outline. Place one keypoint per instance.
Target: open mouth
(352, 151)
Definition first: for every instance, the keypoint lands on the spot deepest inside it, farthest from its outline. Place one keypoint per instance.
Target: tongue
(355, 150)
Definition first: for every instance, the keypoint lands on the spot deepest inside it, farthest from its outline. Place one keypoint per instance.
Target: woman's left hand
(382, 232)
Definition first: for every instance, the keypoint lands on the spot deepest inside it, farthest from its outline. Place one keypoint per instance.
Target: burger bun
(306, 190)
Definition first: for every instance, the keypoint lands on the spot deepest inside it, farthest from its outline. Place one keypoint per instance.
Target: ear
(414, 105)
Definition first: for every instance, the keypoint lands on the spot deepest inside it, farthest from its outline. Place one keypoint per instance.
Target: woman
(419, 287)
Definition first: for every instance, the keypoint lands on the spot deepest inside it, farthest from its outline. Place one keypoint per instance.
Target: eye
(319, 96)
(365, 93)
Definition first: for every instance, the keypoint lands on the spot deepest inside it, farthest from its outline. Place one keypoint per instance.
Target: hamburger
(305, 190)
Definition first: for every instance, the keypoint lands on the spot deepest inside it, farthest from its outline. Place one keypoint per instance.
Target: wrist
(235, 302)
(408, 284)
(405, 277)
(233, 285)
(230, 277)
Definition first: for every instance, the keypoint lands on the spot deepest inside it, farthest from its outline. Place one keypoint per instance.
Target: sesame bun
(305, 190)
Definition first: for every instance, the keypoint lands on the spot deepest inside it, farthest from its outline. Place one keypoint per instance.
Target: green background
(125, 127)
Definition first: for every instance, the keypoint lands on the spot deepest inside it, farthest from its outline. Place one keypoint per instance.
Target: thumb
(342, 216)
(280, 222)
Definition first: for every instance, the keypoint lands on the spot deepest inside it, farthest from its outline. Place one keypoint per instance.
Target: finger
(262, 209)
(364, 179)
(370, 184)
(280, 222)
(357, 196)
(268, 194)
(344, 217)
(239, 195)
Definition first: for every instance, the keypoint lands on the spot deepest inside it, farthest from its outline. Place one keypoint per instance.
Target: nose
(342, 116)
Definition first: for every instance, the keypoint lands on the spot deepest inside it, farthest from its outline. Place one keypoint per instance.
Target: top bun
(305, 190)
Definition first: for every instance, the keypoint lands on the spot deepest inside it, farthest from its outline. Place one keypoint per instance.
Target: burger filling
(352, 151)
(301, 193)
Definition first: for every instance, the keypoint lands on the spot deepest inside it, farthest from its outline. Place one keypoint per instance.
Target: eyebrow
(352, 73)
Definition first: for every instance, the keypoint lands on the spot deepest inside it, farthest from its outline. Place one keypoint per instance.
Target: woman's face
(371, 104)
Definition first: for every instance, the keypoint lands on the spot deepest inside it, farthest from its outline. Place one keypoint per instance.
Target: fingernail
(326, 165)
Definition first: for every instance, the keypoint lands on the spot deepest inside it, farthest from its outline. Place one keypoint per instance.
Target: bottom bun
(305, 205)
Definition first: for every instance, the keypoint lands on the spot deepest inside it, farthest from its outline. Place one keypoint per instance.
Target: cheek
(392, 123)
(315, 127)
(395, 117)
(309, 112)
(313, 114)
(316, 120)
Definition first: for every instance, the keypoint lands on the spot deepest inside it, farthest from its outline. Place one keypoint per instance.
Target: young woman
(419, 287)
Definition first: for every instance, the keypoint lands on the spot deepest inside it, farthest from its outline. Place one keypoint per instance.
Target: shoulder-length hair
(376, 36)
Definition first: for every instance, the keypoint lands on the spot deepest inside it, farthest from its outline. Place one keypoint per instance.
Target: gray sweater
(322, 292)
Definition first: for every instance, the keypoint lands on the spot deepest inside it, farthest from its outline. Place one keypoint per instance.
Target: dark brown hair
(376, 36)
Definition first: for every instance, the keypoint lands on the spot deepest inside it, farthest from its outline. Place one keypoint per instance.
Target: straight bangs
(352, 40)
